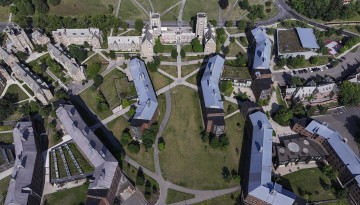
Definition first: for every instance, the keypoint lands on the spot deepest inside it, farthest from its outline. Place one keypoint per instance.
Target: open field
(201, 168)
(96, 59)
(4, 183)
(309, 181)
(193, 7)
(73, 196)
(78, 7)
(130, 11)
(172, 70)
(7, 138)
(145, 4)
(160, 5)
(172, 15)
(159, 80)
(221, 200)
(176, 196)
(89, 97)
(289, 42)
(187, 69)
(15, 89)
(234, 49)
(4, 13)
(236, 72)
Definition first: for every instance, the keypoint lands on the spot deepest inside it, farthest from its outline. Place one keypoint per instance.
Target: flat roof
(288, 41)
(262, 50)
(307, 38)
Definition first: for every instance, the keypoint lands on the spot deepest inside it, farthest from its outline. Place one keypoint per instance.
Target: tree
(161, 144)
(196, 45)
(314, 59)
(98, 80)
(110, 8)
(244, 4)
(78, 52)
(226, 86)
(296, 81)
(182, 53)
(41, 6)
(223, 4)
(112, 54)
(229, 23)
(281, 62)
(149, 136)
(221, 35)
(226, 50)
(139, 25)
(140, 177)
(54, 2)
(349, 93)
(241, 25)
(298, 110)
(134, 147)
(226, 174)
(125, 138)
(282, 116)
(158, 47)
(174, 53)
(7, 105)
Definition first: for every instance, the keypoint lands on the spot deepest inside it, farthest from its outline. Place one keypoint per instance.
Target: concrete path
(181, 13)
(151, 5)
(141, 7)
(35, 56)
(89, 57)
(231, 114)
(110, 118)
(118, 9)
(232, 8)
(6, 173)
(7, 131)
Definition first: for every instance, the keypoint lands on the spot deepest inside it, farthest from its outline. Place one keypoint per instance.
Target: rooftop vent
(305, 151)
(282, 151)
(102, 174)
(306, 142)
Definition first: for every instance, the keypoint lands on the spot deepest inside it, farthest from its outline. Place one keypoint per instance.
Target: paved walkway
(118, 9)
(6, 173)
(110, 118)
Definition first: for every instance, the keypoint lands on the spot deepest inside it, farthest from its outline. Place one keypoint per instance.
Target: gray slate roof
(347, 156)
(307, 37)
(210, 82)
(29, 78)
(85, 32)
(147, 102)
(24, 167)
(263, 49)
(100, 157)
(62, 58)
(260, 185)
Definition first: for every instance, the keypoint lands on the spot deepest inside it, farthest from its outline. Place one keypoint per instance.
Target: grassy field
(4, 13)
(4, 183)
(73, 196)
(279, 98)
(193, 7)
(289, 42)
(308, 180)
(159, 80)
(78, 7)
(15, 89)
(220, 200)
(176, 196)
(230, 107)
(117, 126)
(187, 69)
(236, 72)
(130, 11)
(145, 4)
(172, 70)
(116, 87)
(192, 80)
(96, 59)
(200, 168)
(160, 6)
(162, 107)
(7, 138)
(172, 15)
(88, 96)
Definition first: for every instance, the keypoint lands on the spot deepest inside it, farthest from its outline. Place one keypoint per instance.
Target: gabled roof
(259, 182)
(339, 145)
(80, 33)
(29, 78)
(147, 102)
(147, 35)
(60, 56)
(124, 40)
(307, 37)
(210, 82)
(24, 167)
(262, 50)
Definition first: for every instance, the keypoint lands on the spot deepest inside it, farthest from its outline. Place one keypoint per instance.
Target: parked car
(343, 58)
(294, 72)
(305, 71)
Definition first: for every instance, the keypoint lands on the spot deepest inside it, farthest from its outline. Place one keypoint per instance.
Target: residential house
(20, 40)
(78, 36)
(75, 71)
(262, 51)
(211, 102)
(147, 106)
(27, 178)
(38, 37)
(340, 157)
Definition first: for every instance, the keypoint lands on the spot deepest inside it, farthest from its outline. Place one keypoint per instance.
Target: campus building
(27, 179)
(147, 106)
(40, 89)
(209, 40)
(19, 39)
(38, 37)
(78, 36)
(211, 102)
(295, 42)
(201, 25)
(72, 68)
(124, 43)
(257, 185)
(107, 174)
(9, 59)
(262, 50)
(262, 83)
(340, 157)
(4, 77)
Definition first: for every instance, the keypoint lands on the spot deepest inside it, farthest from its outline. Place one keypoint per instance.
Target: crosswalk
(343, 109)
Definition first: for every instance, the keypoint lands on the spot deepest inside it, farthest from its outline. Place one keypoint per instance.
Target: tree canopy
(78, 52)
(7, 105)
(223, 4)
(349, 93)
(283, 116)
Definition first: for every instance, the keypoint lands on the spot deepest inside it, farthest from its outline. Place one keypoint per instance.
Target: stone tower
(155, 23)
(201, 23)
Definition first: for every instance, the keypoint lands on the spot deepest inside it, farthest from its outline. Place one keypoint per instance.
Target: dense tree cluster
(154, 64)
(223, 4)
(221, 35)
(349, 43)
(325, 10)
(174, 53)
(149, 135)
(139, 25)
(98, 80)
(226, 86)
(78, 52)
(101, 103)
(297, 61)
(282, 116)
(158, 47)
(7, 105)
(349, 93)
(196, 45)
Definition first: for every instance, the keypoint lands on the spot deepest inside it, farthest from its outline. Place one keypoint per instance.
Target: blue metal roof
(307, 37)
(260, 185)
(339, 145)
(147, 102)
(210, 82)
(262, 50)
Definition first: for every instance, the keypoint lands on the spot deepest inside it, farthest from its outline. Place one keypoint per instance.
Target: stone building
(211, 102)
(20, 40)
(155, 24)
(4, 77)
(78, 36)
(40, 88)
(147, 106)
(74, 70)
(262, 83)
(38, 37)
(9, 59)
(340, 157)
(209, 40)
(124, 43)
(147, 45)
(27, 178)
(201, 25)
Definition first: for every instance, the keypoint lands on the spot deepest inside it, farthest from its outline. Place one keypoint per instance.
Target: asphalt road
(340, 72)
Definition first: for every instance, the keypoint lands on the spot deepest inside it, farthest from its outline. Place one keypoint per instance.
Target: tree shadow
(352, 124)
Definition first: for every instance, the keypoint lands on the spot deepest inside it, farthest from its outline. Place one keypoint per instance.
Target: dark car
(294, 72)
(343, 58)
(305, 70)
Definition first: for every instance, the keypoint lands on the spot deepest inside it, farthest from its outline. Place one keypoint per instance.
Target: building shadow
(352, 125)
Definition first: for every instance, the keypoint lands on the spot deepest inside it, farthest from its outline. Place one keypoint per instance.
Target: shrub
(134, 147)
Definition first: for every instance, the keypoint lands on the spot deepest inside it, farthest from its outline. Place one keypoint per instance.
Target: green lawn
(116, 87)
(82, 161)
(192, 79)
(279, 98)
(159, 80)
(230, 107)
(193, 7)
(186, 160)
(169, 48)
(172, 15)
(7, 138)
(117, 126)
(167, 58)
(161, 5)
(234, 49)
(130, 11)
(95, 59)
(187, 69)
(4, 13)
(176, 196)
(308, 180)
(145, 4)
(236, 72)
(162, 107)
(15, 89)
(221, 200)
(4, 183)
(234, 30)
(72, 196)
(89, 97)
(172, 70)
(78, 7)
